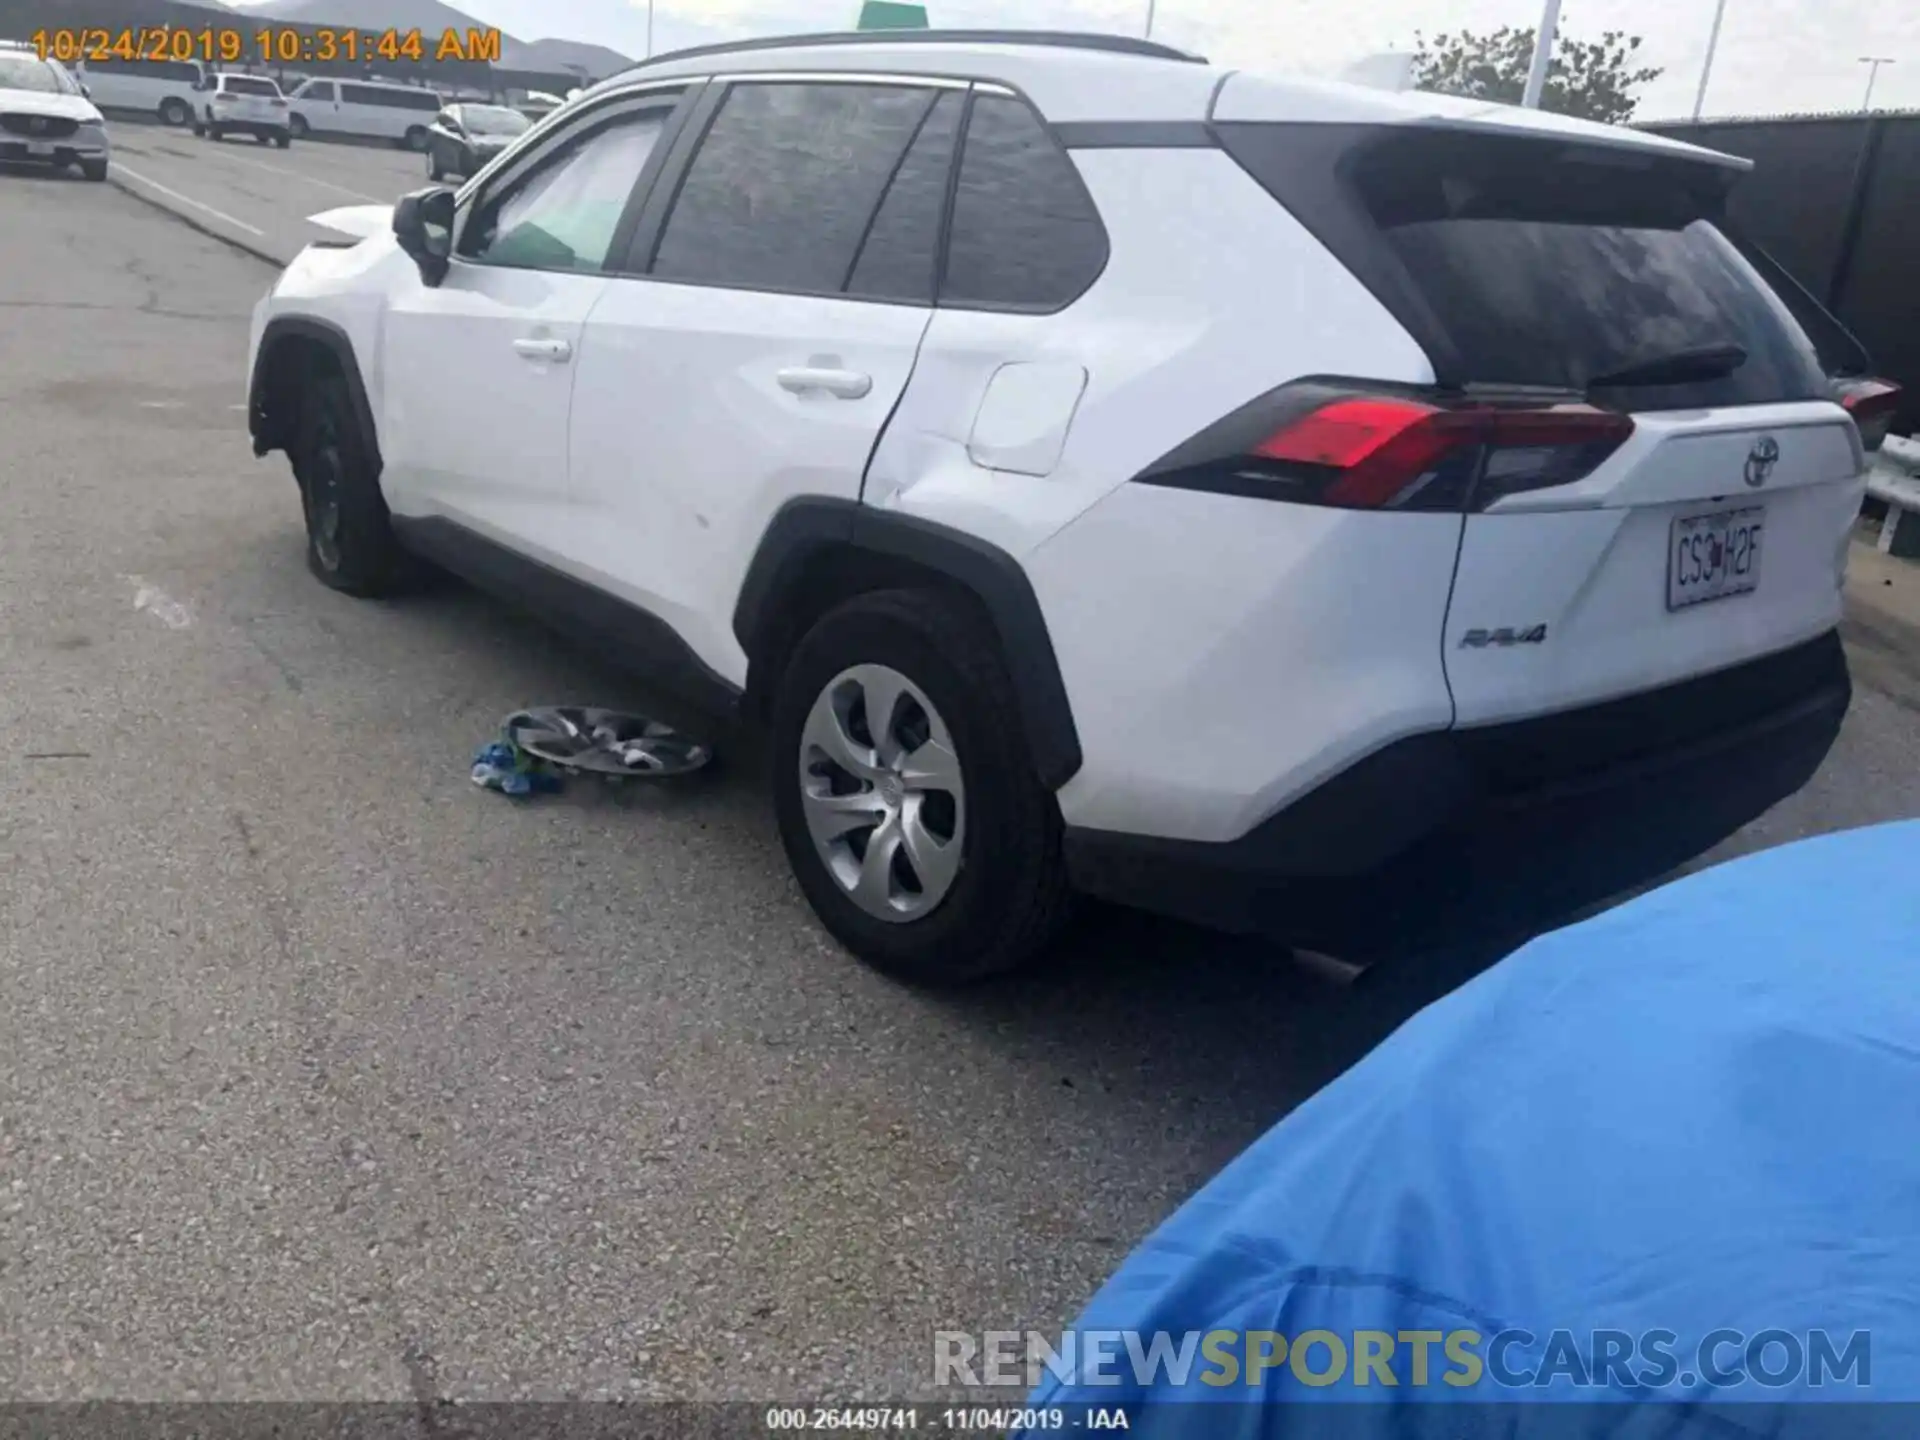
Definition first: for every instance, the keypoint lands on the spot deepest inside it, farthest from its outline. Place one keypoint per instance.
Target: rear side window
(901, 252)
(785, 186)
(1521, 262)
(1025, 234)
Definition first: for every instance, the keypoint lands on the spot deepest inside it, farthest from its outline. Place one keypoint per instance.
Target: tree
(1593, 79)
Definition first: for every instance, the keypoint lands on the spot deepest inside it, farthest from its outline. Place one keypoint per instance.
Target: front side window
(315, 90)
(563, 216)
(786, 184)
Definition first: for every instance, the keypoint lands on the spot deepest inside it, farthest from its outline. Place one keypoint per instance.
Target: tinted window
(784, 184)
(899, 256)
(316, 90)
(241, 85)
(1550, 268)
(1025, 233)
(563, 216)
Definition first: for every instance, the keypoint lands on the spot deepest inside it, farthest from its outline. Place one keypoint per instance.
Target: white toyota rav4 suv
(1310, 510)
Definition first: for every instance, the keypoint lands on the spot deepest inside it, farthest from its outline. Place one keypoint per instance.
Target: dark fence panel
(1836, 199)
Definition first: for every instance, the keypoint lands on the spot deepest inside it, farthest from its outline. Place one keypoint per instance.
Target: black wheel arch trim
(272, 432)
(804, 527)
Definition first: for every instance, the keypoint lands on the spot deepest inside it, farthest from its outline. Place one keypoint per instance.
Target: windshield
(28, 72)
(492, 120)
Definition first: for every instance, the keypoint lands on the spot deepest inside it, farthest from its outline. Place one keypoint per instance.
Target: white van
(165, 88)
(374, 108)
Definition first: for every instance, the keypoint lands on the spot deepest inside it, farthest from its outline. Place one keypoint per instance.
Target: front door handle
(842, 384)
(557, 351)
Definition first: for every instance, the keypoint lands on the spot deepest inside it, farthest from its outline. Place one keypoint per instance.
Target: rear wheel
(282, 139)
(216, 133)
(94, 169)
(907, 803)
(263, 137)
(175, 111)
(416, 138)
(350, 541)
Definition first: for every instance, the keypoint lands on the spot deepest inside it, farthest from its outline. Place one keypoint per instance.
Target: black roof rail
(1057, 39)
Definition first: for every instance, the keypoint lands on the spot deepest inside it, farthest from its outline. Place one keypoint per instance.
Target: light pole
(649, 29)
(1876, 61)
(1150, 5)
(1542, 55)
(1713, 45)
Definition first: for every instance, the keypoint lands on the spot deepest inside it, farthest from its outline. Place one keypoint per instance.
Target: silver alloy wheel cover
(888, 808)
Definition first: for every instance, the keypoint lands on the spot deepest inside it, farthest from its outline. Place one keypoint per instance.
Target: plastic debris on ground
(540, 747)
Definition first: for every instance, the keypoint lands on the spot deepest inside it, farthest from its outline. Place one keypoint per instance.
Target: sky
(1775, 55)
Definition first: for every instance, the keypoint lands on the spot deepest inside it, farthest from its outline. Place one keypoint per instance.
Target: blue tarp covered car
(1668, 1156)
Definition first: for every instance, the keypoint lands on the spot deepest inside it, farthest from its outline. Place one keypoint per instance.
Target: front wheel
(297, 127)
(907, 803)
(350, 541)
(416, 138)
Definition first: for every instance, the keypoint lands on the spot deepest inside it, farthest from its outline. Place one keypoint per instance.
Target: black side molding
(687, 692)
(806, 531)
(270, 428)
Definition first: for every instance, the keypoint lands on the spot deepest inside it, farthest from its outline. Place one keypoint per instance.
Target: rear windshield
(1523, 262)
(241, 85)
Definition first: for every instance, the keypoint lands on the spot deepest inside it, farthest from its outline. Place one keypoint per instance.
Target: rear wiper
(1677, 367)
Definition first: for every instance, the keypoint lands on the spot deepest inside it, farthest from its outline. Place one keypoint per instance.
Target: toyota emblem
(1761, 460)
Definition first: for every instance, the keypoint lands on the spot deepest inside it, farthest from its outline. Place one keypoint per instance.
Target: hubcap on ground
(325, 465)
(882, 792)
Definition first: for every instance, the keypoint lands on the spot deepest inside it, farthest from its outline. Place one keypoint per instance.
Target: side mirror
(423, 223)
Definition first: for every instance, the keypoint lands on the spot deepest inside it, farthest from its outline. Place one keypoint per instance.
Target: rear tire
(1001, 899)
(350, 541)
(282, 139)
(94, 169)
(216, 133)
(262, 137)
(175, 111)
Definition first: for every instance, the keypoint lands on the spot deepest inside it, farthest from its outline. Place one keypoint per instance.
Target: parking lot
(326, 1075)
(253, 194)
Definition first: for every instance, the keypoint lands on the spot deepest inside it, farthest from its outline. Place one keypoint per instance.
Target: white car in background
(249, 104)
(46, 117)
(371, 109)
(166, 89)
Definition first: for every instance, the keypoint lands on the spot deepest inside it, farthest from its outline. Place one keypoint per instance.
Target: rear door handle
(842, 384)
(558, 351)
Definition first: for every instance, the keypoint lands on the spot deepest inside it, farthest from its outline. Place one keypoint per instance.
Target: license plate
(1714, 557)
(40, 149)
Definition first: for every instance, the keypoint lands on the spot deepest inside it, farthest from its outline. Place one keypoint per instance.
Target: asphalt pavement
(256, 196)
(324, 1075)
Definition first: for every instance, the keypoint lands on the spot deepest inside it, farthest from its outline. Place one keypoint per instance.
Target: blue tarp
(1669, 1155)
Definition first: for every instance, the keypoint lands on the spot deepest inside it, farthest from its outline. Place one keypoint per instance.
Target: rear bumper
(1502, 828)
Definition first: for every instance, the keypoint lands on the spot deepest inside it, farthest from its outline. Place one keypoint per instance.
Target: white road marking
(160, 404)
(296, 175)
(157, 603)
(152, 184)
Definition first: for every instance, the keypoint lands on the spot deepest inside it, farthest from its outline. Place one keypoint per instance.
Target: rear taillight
(1328, 444)
(1873, 404)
